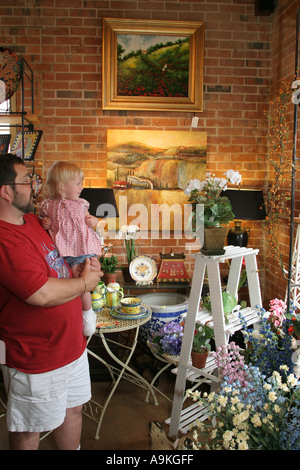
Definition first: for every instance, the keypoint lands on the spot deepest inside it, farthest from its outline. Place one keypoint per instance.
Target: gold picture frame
(152, 65)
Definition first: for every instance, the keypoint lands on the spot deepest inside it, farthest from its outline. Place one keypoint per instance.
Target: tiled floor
(125, 424)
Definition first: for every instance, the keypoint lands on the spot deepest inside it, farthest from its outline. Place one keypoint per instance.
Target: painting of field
(153, 167)
(152, 66)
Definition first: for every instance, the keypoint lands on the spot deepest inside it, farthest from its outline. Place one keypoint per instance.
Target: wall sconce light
(102, 205)
(247, 204)
(102, 202)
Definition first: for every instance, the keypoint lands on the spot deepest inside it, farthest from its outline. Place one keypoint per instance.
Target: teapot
(115, 286)
(113, 296)
(98, 301)
(100, 288)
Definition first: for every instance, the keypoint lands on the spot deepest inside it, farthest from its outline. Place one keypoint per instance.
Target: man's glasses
(35, 183)
(31, 182)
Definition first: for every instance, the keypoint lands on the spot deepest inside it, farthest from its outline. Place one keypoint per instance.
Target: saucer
(117, 313)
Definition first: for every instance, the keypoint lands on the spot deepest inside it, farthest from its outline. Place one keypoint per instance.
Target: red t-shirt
(37, 339)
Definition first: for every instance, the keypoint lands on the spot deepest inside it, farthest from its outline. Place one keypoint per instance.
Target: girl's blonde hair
(60, 172)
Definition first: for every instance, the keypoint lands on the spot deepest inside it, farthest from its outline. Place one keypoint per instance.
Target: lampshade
(247, 204)
(102, 202)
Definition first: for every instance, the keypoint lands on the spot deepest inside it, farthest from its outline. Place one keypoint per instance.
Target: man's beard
(19, 203)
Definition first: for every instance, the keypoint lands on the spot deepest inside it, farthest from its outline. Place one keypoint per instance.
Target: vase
(199, 359)
(214, 241)
(238, 236)
(109, 277)
(126, 273)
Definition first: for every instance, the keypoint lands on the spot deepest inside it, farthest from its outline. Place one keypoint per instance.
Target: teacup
(131, 305)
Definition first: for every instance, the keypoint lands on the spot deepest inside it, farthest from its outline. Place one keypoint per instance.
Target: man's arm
(59, 291)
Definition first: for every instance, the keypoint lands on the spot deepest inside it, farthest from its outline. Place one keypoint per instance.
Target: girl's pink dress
(68, 230)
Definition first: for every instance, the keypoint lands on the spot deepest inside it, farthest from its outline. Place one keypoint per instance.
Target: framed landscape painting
(152, 168)
(152, 65)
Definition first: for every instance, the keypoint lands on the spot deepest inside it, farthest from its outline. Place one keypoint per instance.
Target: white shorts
(38, 402)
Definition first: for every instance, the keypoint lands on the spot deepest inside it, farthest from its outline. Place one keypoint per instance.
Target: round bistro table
(106, 325)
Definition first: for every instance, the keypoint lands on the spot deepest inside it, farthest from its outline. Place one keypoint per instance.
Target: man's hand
(59, 291)
(91, 273)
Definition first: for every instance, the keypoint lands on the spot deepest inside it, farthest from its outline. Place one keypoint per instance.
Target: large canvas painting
(152, 168)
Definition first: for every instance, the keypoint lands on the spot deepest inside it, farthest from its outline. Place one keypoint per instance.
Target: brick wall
(61, 39)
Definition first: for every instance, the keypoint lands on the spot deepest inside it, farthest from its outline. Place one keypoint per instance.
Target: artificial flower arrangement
(129, 232)
(258, 404)
(168, 339)
(217, 208)
(261, 413)
(270, 344)
(109, 262)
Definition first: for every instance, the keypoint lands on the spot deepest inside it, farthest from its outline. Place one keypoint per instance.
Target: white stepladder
(295, 274)
(181, 420)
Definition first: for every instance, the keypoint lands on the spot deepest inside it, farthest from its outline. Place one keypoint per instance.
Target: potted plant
(129, 233)
(211, 210)
(201, 344)
(109, 265)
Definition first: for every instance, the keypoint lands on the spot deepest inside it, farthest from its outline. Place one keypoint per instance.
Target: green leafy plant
(203, 335)
(217, 208)
(109, 262)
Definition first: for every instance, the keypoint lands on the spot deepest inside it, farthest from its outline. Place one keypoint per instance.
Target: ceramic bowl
(131, 305)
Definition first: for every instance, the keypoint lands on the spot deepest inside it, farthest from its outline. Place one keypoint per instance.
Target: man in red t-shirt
(46, 371)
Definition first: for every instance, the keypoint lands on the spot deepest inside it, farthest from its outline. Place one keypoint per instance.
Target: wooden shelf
(15, 119)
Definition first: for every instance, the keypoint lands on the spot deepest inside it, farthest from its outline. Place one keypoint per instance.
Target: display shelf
(9, 119)
(222, 329)
(24, 118)
(156, 285)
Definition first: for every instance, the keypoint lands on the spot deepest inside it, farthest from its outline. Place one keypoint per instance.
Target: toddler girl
(65, 215)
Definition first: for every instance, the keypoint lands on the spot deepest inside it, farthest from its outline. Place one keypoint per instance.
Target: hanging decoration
(10, 73)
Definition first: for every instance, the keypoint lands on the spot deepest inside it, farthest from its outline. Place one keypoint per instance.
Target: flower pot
(165, 307)
(199, 359)
(214, 241)
(109, 277)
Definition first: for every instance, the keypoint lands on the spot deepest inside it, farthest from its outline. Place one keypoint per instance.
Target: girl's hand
(46, 223)
(91, 221)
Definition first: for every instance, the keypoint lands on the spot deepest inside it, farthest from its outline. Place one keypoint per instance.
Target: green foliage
(203, 335)
(109, 263)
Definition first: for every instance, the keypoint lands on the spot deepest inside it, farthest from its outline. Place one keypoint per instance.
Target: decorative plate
(143, 269)
(117, 313)
(10, 73)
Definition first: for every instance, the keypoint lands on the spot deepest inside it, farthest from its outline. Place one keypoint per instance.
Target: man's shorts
(38, 402)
